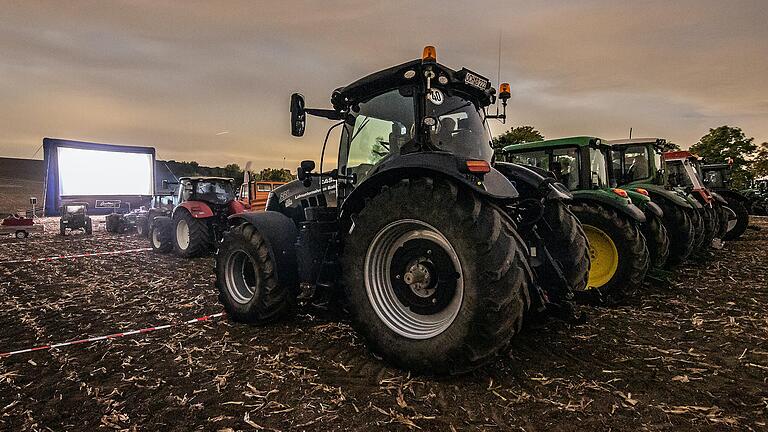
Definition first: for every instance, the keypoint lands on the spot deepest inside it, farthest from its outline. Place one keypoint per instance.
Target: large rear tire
(436, 278)
(191, 236)
(742, 219)
(699, 230)
(656, 239)
(142, 227)
(245, 277)
(680, 231)
(618, 252)
(161, 235)
(88, 226)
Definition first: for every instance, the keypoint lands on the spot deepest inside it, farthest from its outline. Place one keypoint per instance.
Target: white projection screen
(84, 172)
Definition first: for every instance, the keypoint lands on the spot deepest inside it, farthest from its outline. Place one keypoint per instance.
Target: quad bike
(713, 211)
(197, 223)
(717, 178)
(74, 217)
(428, 240)
(613, 224)
(637, 166)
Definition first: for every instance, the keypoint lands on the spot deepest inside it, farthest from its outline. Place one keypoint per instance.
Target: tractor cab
(212, 190)
(417, 117)
(638, 160)
(580, 163)
(681, 167)
(717, 176)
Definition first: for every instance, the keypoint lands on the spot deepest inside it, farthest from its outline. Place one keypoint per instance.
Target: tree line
(724, 144)
(184, 169)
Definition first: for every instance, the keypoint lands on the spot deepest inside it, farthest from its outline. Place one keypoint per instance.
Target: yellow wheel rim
(604, 257)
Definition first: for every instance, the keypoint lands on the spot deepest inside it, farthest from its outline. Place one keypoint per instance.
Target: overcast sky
(210, 81)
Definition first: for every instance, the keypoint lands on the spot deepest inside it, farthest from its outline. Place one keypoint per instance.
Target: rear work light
(620, 192)
(642, 191)
(478, 166)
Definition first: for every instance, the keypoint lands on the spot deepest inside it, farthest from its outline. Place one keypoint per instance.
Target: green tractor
(717, 178)
(637, 165)
(613, 219)
(757, 194)
(438, 254)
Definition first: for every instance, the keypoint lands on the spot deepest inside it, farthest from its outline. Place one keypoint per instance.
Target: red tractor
(198, 221)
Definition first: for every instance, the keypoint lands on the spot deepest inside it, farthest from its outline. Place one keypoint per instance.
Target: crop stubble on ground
(689, 355)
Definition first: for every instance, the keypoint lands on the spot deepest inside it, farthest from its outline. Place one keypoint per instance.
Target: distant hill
(19, 180)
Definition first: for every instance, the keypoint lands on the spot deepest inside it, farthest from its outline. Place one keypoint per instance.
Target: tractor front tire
(192, 237)
(742, 219)
(142, 227)
(656, 239)
(709, 219)
(245, 277)
(617, 248)
(161, 235)
(680, 231)
(88, 226)
(567, 243)
(62, 229)
(436, 278)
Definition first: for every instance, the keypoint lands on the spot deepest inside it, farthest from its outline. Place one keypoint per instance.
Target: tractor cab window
(714, 179)
(565, 166)
(217, 192)
(637, 164)
(379, 128)
(539, 159)
(73, 209)
(263, 187)
(460, 129)
(185, 191)
(598, 168)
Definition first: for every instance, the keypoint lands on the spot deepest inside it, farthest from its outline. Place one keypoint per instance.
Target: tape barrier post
(87, 254)
(112, 336)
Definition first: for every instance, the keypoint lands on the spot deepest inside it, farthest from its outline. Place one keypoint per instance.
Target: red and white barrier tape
(112, 336)
(87, 254)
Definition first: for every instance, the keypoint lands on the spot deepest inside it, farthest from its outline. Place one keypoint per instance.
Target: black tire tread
(200, 242)
(505, 275)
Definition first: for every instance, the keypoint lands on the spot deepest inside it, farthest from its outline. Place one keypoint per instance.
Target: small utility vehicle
(19, 226)
(74, 217)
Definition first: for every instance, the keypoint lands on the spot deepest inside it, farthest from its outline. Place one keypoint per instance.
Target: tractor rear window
(539, 159)
(637, 164)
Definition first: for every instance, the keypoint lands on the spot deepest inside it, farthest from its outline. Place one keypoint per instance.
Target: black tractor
(74, 216)
(717, 178)
(438, 252)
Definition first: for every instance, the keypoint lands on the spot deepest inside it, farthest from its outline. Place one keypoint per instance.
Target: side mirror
(298, 115)
(304, 171)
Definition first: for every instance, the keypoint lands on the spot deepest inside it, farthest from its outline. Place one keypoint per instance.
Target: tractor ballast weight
(415, 224)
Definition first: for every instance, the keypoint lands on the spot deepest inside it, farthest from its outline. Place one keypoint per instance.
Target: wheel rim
(20, 235)
(603, 255)
(413, 279)
(182, 234)
(241, 277)
(156, 239)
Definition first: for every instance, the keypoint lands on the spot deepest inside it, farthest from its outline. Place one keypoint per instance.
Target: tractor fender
(644, 203)
(536, 178)
(719, 198)
(235, 207)
(732, 194)
(609, 199)
(197, 209)
(280, 234)
(493, 184)
(658, 193)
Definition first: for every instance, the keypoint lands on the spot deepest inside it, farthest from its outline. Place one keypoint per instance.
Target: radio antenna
(498, 71)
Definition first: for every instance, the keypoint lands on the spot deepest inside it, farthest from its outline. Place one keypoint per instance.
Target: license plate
(475, 81)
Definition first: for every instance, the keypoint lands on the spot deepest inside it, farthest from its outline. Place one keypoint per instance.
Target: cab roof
(576, 141)
(636, 141)
(395, 77)
(199, 178)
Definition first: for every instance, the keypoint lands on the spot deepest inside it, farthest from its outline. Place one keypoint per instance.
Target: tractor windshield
(562, 162)
(715, 178)
(376, 130)
(460, 128)
(215, 191)
(682, 173)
